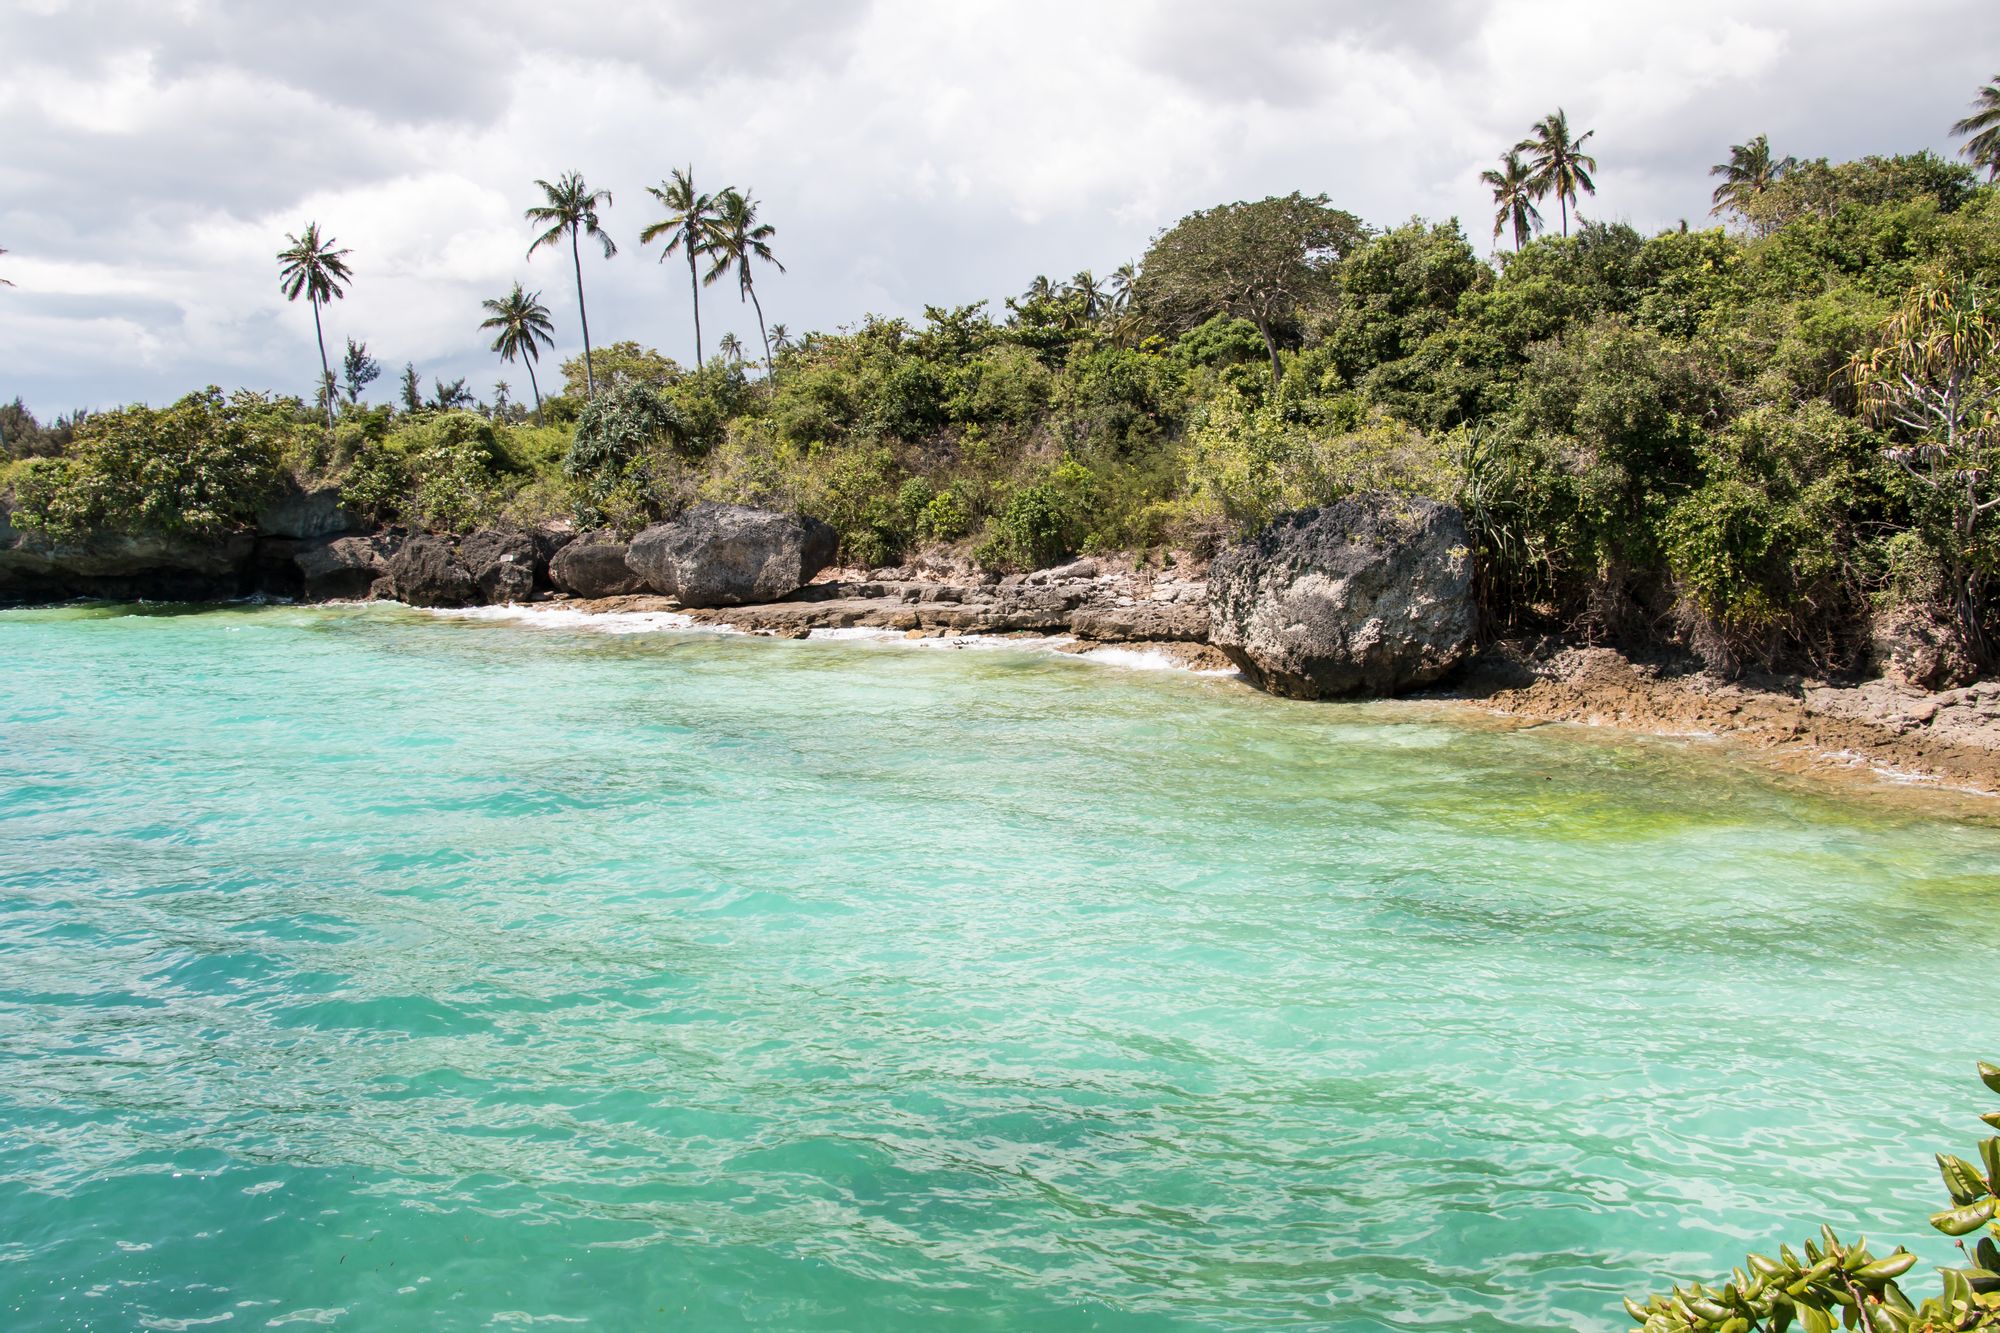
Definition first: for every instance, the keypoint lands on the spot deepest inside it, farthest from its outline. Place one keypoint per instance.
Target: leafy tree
(200, 467)
(1982, 148)
(1559, 164)
(413, 389)
(521, 326)
(1261, 261)
(570, 208)
(689, 228)
(625, 363)
(359, 368)
(1934, 377)
(736, 238)
(1514, 197)
(1749, 172)
(312, 266)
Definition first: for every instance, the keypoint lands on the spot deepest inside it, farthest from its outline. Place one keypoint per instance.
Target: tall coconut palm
(571, 207)
(736, 238)
(312, 266)
(731, 348)
(1983, 148)
(1559, 165)
(1749, 172)
(1123, 279)
(522, 328)
(781, 337)
(1086, 285)
(689, 227)
(1514, 197)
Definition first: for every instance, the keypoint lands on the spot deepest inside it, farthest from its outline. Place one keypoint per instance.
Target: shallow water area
(372, 968)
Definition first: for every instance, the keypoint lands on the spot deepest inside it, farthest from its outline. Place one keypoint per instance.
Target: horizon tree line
(724, 228)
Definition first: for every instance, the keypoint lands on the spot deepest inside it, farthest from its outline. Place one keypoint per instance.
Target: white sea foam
(539, 616)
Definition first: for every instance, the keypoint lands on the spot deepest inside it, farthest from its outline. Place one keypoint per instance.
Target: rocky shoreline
(1285, 612)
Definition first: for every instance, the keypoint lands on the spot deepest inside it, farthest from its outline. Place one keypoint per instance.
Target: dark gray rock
(588, 567)
(428, 572)
(504, 564)
(343, 568)
(731, 555)
(302, 515)
(144, 565)
(1368, 596)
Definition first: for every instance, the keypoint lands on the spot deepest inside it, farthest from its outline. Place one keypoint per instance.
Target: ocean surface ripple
(372, 969)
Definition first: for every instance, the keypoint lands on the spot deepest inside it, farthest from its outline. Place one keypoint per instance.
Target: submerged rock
(593, 567)
(731, 555)
(428, 572)
(1368, 596)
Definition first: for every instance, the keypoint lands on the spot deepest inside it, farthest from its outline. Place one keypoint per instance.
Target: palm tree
(1086, 285)
(572, 207)
(313, 266)
(521, 321)
(1983, 148)
(1560, 165)
(1514, 193)
(731, 347)
(1749, 172)
(689, 226)
(1041, 289)
(781, 337)
(737, 237)
(1123, 279)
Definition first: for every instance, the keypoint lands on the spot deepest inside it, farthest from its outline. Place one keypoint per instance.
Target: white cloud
(909, 152)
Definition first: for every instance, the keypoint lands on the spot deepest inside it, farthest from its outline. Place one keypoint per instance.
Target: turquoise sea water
(386, 971)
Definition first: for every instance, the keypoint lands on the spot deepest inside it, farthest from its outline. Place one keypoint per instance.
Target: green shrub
(200, 467)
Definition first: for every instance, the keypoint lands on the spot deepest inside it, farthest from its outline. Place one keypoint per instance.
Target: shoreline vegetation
(1742, 479)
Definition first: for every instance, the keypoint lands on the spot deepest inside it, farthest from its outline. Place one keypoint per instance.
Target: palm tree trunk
(695, 288)
(530, 363)
(1563, 200)
(583, 318)
(325, 370)
(769, 368)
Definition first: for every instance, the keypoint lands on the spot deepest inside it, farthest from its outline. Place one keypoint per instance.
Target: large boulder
(342, 568)
(592, 566)
(731, 555)
(502, 563)
(1368, 596)
(1919, 647)
(428, 572)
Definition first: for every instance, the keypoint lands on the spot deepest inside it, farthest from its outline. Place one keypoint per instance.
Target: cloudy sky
(910, 152)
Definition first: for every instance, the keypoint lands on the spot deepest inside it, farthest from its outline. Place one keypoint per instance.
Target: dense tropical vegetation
(1757, 443)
